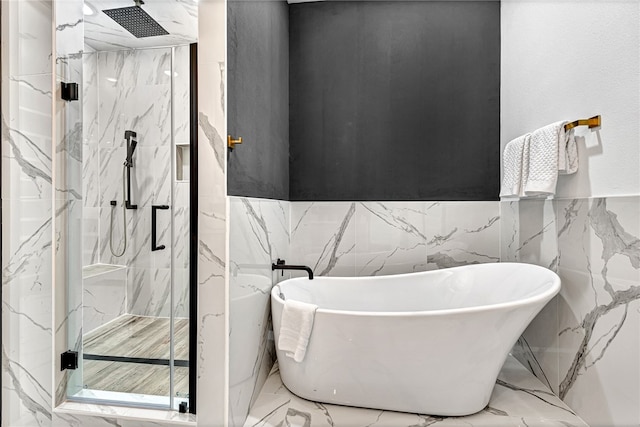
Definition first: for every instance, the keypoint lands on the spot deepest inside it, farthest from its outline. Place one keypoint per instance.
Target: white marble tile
(212, 215)
(181, 94)
(390, 237)
(598, 309)
(104, 298)
(27, 312)
(30, 41)
(90, 98)
(519, 399)
(529, 235)
(456, 237)
(135, 94)
(323, 237)
(91, 175)
(69, 28)
(149, 291)
(27, 154)
(259, 234)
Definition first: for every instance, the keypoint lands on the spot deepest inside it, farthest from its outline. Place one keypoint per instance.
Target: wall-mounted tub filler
(281, 265)
(426, 343)
(129, 136)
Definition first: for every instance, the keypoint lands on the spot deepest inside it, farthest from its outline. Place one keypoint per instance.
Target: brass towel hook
(232, 142)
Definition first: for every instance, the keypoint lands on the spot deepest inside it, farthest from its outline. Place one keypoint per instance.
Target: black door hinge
(69, 91)
(69, 360)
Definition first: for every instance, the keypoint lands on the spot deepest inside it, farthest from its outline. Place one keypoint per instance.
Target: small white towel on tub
(295, 328)
(543, 160)
(513, 167)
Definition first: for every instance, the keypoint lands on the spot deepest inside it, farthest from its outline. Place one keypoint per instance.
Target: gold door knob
(232, 142)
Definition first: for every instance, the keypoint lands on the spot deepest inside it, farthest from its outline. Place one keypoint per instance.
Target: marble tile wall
(133, 90)
(377, 238)
(212, 399)
(585, 344)
(258, 235)
(27, 209)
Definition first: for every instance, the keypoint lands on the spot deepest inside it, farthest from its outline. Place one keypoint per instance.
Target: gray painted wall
(258, 88)
(394, 100)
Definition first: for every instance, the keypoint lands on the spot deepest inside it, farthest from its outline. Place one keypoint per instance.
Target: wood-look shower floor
(137, 337)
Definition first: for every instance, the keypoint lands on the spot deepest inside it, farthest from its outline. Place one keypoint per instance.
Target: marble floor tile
(519, 399)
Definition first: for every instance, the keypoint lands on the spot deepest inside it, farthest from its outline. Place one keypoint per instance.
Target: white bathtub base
(438, 362)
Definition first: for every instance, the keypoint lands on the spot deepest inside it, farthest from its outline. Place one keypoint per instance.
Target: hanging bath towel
(543, 160)
(296, 325)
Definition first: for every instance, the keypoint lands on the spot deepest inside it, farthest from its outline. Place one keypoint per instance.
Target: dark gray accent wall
(394, 100)
(258, 98)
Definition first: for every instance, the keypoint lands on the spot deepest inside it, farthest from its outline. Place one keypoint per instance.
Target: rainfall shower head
(135, 20)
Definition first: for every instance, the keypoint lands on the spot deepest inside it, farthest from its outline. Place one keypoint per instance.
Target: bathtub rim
(545, 296)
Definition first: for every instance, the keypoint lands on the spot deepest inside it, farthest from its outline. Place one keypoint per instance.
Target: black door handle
(154, 209)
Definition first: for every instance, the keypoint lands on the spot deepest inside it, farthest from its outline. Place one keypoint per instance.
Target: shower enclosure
(127, 234)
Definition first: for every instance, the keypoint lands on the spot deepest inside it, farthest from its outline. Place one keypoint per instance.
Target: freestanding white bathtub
(429, 343)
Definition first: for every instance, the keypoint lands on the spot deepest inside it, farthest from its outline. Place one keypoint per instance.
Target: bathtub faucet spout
(280, 265)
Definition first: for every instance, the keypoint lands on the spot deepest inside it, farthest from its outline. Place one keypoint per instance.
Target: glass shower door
(134, 295)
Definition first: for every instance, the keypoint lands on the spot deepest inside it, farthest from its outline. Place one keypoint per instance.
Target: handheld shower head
(130, 149)
(129, 135)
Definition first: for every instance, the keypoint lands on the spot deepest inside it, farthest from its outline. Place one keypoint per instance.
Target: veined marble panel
(518, 399)
(149, 291)
(585, 344)
(27, 328)
(180, 249)
(529, 235)
(181, 94)
(323, 236)
(27, 45)
(212, 215)
(90, 235)
(26, 311)
(460, 233)
(258, 235)
(599, 328)
(104, 298)
(135, 94)
(374, 238)
(69, 34)
(27, 154)
(390, 237)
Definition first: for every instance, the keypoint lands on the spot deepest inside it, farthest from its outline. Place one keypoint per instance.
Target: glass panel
(128, 199)
(125, 233)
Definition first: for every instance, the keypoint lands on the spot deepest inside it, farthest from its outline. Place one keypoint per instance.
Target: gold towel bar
(592, 122)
